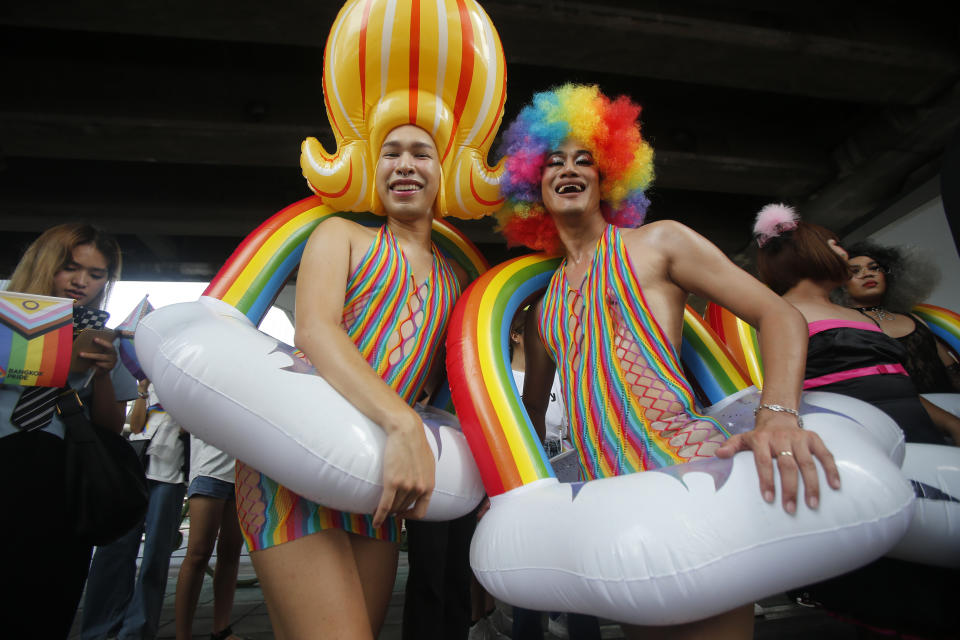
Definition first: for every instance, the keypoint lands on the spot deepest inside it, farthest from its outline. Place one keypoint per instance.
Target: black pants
(437, 600)
(44, 568)
(907, 597)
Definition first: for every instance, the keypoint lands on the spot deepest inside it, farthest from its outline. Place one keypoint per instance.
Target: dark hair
(801, 254)
(910, 275)
(887, 257)
(517, 325)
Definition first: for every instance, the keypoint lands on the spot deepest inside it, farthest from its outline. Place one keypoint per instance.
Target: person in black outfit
(885, 284)
(848, 353)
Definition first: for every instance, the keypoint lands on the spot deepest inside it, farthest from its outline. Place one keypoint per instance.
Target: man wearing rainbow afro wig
(608, 128)
(610, 321)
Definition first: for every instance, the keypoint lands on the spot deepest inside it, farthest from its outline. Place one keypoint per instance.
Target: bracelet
(780, 409)
(143, 395)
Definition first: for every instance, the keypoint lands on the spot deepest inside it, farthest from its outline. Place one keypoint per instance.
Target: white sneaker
(484, 630)
(558, 626)
(501, 619)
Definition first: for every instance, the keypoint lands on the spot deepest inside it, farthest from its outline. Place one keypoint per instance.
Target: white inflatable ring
(253, 396)
(934, 534)
(660, 547)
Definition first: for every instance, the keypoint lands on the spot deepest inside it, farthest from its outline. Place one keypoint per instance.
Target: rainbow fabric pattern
(270, 514)
(382, 303)
(254, 275)
(378, 306)
(715, 371)
(612, 430)
(501, 437)
(36, 338)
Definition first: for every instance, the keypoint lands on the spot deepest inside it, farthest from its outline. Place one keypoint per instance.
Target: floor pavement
(777, 618)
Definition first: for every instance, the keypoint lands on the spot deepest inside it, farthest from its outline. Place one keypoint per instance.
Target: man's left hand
(777, 435)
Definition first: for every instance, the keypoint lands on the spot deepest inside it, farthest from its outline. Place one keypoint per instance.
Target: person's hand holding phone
(93, 351)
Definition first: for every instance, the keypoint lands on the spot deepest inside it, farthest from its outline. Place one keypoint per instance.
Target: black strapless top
(858, 360)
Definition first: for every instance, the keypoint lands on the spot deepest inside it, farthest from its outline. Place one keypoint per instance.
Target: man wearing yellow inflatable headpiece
(414, 94)
(439, 66)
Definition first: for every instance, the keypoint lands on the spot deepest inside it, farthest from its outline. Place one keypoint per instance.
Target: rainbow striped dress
(630, 407)
(397, 326)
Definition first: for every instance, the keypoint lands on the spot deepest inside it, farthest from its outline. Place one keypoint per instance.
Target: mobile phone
(84, 342)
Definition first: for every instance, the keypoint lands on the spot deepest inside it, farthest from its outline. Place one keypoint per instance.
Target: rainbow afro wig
(609, 129)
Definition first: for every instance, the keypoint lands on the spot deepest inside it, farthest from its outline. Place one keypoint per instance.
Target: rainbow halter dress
(631, 408)
(397, 326)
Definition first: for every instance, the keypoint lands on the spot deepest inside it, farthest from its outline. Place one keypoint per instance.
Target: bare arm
(697, 266)
(104, 408)
(950, 362)
(138, 414)
(408, 473)
(538, 377)
(944, 420)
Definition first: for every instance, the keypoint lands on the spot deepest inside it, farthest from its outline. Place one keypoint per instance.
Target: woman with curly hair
(850, 355)
(611, 319)
(885, 283)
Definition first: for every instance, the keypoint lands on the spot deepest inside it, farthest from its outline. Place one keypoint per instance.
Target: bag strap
(185, 467)
(70, 410)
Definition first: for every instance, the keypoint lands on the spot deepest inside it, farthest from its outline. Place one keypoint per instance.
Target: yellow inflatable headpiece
(438, 65)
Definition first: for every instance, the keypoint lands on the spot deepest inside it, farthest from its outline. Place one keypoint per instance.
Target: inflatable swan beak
(260, 401)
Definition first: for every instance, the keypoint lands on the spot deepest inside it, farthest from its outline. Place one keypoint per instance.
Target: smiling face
(83, 277)
(408, 172)
(868, 280)
(570, 180)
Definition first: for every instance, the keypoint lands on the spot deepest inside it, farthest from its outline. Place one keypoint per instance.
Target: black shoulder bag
(106, 488)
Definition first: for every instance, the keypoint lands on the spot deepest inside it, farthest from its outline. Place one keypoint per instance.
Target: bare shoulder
(661, 243)
(815, 311)
(339, 228)
(661, 234)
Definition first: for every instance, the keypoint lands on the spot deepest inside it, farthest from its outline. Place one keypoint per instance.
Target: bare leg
(229, 544)
(205, 516)
(377, 565)
(481, 602)
(732, 625)
(313, 588)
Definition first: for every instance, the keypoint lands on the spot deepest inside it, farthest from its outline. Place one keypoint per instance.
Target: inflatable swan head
(438, 65)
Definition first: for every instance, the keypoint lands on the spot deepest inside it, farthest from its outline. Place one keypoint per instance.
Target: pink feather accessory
(773, 220)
